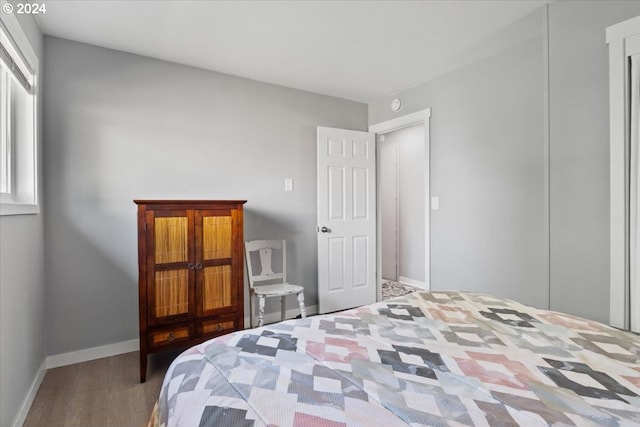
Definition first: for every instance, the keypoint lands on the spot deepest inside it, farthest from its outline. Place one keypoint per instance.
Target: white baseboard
(273, 317)
(84, 355)
(411, 282)
(21, 416)
(93, 353)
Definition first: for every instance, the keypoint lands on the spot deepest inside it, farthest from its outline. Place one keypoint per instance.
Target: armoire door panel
(217, 234)
(171, 293)
(171, 239)
(171, 265)
(216, 237)
(217, 288)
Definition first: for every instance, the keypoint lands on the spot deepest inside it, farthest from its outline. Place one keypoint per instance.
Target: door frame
(421, 117)
(620, 38)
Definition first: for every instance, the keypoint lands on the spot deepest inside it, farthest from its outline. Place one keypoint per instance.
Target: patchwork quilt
(425, 359)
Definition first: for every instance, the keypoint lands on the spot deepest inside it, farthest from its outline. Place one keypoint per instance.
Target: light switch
(435, 203)
(288, 184)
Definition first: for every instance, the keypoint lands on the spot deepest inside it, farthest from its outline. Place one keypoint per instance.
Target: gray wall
(22, 328)
(487, 167)
(579, 172)
(503, 185)
(121, 127)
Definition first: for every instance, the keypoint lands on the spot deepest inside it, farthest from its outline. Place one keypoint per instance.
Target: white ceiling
(359, 50)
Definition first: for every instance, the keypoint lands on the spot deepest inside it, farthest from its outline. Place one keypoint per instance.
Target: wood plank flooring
(99, 393)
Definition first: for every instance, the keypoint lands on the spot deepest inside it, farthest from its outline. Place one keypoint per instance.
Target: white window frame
(24, 198)
(5, 131)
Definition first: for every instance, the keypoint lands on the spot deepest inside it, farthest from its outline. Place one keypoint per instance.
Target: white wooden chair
(276, 282)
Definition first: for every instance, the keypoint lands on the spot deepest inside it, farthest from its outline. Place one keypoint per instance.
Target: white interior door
(346, 219)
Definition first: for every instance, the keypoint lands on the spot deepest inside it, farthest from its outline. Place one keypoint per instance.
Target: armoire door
(216, 274)
(171, 268)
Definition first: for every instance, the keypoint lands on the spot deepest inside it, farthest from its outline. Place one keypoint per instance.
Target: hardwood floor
(103, 392)
(99, 393)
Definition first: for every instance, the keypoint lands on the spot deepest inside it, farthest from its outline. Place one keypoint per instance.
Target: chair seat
(277, 289)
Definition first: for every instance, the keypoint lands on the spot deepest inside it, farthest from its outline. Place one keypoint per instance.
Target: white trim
(617, 36)
(87, 354)
(546, 225)
(274, 317)
(92, 353)
(417, 118)
(18, 209)
(411, 282)
(634, 190)
(21, 416)
(397, 222)
(618, 314)
(20, 39)
(623, 30)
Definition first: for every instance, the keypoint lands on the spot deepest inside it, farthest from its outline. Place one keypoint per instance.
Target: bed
(427, 358)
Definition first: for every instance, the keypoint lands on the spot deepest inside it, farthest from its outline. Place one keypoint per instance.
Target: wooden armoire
(190, 261)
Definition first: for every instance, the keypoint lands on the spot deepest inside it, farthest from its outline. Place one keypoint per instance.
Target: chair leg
(260, 310)
(303, 312)
(283, 308)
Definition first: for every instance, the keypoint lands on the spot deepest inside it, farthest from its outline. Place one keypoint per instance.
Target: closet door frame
(624, 41)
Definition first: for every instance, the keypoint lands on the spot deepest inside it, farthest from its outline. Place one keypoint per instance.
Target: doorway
(403, 199)
(402, 194)
(388, 184)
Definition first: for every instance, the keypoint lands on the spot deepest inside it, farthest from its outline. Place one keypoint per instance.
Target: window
(18, 133)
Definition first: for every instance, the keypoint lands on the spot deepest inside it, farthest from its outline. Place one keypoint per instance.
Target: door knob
(325, 230)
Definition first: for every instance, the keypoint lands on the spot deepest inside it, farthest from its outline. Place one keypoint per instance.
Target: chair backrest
(265, 249)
